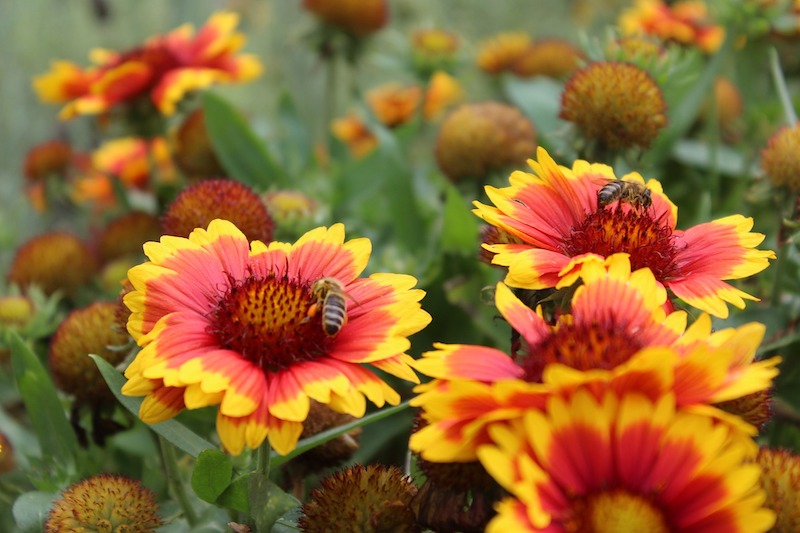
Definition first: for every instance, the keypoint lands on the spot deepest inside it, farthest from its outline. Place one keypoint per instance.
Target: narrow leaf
(172, 430)
(211, 475)
(460, 230)
(240, 151)
(42, 404)
(324, 436)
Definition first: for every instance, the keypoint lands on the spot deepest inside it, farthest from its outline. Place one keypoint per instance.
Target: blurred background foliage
(36, 32)
(419, 222)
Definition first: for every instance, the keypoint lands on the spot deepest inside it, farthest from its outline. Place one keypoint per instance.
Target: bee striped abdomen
(334, 313)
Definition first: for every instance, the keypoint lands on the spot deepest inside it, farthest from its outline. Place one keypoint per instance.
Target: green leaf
(172, 430)
(211, 475)
(460, 226)
(42, 404)
(683, 115)
(296, 143)
(30, 510)
(240, 151)
(236, 496)
(288, 522)
(540, 100)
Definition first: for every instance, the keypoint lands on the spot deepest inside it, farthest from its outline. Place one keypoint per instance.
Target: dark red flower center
(267, 321)
(580, 346)
(615, 229)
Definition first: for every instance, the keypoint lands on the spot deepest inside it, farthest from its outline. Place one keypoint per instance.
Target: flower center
(613, 230)
(580, 346)
(614, 511)
(266, 320)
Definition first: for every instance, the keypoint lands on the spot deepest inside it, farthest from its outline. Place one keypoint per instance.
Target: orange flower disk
(225, 322)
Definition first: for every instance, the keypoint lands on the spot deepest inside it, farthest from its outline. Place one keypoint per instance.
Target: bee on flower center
(634, 193)
(331, 301)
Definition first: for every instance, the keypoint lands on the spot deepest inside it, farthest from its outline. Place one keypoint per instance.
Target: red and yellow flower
(393, 103)
(684, 22)
(623, 462)
(554, 212)
(354, 132)
(223, 321)
(165, 68)
(617, 336)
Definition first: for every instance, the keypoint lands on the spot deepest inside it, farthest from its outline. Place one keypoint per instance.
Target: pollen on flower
(613, 230)
(267, 321)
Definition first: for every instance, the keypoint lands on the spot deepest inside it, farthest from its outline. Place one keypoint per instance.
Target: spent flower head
(616, 104)
(104, 502)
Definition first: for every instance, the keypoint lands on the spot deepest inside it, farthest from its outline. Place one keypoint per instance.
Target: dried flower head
(780, 478)
(105, 503)
(125, 235)
(370, 498)
(476, 139)
(554, 58)
(500, 53)
(780, 159)
(231, 200)
(618, 104)
(90, 330)
(53, 261)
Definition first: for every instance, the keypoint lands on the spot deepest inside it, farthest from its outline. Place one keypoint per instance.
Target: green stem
(262, 458)
(170, 462)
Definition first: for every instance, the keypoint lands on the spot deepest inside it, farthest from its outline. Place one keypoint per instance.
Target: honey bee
(332, 301)
(632, 192)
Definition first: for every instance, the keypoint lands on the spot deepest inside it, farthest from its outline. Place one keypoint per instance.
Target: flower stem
(170, 462)
(262, 458)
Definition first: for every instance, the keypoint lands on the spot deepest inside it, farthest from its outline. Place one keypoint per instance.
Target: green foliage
(240, 151)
